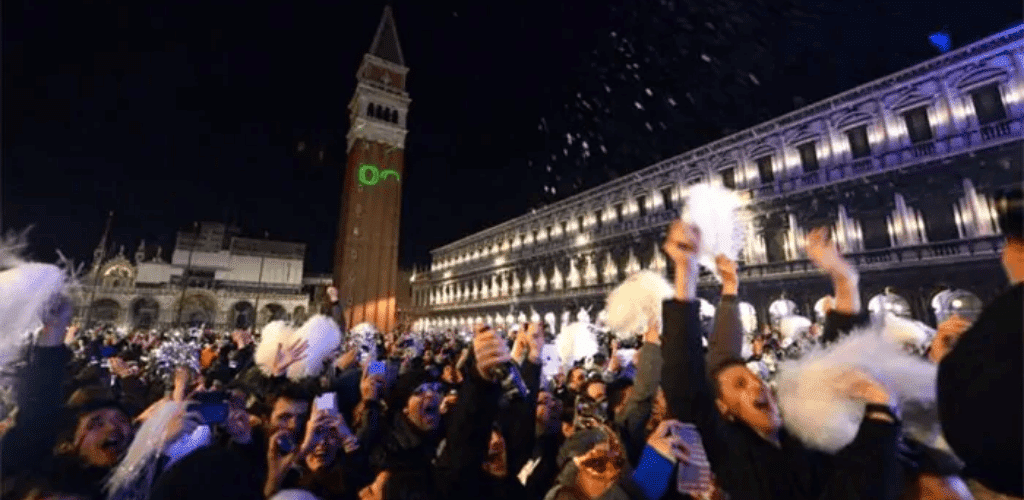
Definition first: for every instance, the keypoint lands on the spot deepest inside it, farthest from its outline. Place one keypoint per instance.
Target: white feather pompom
(903, 331)
(716, 213)
(637, 302)
(816, 411)
(324, 338)
(274, 334)
(25, 291)
(791, 327)
(576, 342)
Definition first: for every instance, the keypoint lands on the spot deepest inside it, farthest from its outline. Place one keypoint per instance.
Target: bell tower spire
(366, 250)
(377, 111)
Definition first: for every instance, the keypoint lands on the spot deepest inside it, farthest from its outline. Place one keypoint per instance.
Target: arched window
(394, 116)
(371, 110)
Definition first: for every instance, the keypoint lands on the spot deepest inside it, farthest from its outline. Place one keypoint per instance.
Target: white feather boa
(637, 302)
(820, 415)
(576, 342)
(133, 477)
(716, 212)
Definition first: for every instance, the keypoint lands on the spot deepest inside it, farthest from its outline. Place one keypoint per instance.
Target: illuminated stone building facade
(215, 277)
(904, 169)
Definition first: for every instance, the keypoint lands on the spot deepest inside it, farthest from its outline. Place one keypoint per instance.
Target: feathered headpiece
(26, 290)
(637, 302)
(716, 213)
(816, 410)
(576, 342)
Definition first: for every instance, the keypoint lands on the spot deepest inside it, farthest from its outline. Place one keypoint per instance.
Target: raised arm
(846, 314)
(726, 341)
(469, 432)
(40, 394)
(519, 422)
(632, 420)
(684, 376)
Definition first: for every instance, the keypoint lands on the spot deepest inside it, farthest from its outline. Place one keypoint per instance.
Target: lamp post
(185, 276)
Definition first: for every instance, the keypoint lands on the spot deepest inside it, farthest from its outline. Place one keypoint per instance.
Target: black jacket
(981, 395)
(749, 466)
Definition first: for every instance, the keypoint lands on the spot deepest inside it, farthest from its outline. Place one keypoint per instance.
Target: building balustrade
(963, 142)
(888, 258)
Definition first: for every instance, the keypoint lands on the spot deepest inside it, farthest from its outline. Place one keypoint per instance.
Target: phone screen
(210, 412)
(376, 368)
(693, 477)
(325, 401)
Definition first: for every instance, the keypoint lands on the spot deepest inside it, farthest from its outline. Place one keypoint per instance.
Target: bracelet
(880, 408)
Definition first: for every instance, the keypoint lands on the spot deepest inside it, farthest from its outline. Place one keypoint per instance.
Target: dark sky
(167, 112)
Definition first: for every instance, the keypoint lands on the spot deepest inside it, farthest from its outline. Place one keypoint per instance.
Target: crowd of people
(191, 414)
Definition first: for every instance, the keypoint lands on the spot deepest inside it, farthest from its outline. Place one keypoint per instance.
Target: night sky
(169, 112)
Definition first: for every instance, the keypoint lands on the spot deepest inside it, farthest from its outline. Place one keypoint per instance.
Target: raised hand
(535, 338)
(668, 443)
(729, 274)
(56, 317)
(859, 385)
(242, 338)
(288, 357)
(681, 245)
(490, 352)
(946, 337)
(824, 253)
(278, 463)
(681, 242)
(371, 386)
(316, 430)
(347, 360)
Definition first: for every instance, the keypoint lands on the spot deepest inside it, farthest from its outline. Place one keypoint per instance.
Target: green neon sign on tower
(370, 175)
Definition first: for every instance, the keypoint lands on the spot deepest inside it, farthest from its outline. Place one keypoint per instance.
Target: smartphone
(376, 368)
(695, 477)
(211, 406)
(284, 445)
(325, 401)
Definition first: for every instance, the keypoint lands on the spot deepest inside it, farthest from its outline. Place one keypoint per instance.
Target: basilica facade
(903, 169)
(215, 277)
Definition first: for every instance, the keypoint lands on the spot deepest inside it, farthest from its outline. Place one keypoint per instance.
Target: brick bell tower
(366, 251)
